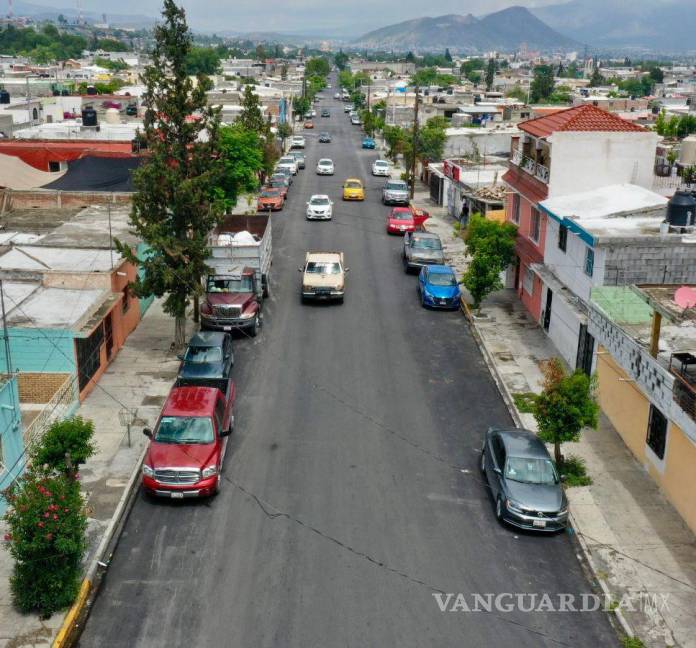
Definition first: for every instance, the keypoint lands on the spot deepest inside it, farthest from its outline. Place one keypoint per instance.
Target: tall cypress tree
(175, 205)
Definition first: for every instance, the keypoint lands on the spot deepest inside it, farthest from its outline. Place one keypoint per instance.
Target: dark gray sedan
(523, 480)
(208, 361)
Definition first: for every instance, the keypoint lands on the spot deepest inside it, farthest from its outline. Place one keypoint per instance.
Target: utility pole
(415, 147)
(368, 97)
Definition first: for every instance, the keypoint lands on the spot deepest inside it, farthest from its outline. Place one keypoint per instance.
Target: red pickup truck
(187, 446)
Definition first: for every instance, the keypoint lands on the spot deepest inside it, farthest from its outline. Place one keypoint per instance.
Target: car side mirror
(147, 432)
(497, 471)
(224, 433)
(563, 478)
(346, 270)
(299, 269)
(180, 356)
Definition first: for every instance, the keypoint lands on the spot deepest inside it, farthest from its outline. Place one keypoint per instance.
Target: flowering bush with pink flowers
(47, 525)
(47, 521)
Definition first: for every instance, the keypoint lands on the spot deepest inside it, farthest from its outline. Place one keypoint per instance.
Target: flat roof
(52, 307)
(45, 259)
(616, 210)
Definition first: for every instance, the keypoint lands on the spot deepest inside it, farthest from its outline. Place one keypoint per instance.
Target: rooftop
(42, 259)
(583, 118)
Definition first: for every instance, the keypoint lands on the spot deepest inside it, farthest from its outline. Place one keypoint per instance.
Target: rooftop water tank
(89, 117)
(681, 209)
(687, 154)
(112, 116)
(4, 96)
(91, 90)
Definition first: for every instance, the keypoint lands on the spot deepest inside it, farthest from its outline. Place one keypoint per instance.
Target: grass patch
(632, 642)
(575, 472)
(524, 402)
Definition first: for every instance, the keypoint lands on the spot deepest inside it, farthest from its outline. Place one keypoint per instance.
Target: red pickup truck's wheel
(254, 329)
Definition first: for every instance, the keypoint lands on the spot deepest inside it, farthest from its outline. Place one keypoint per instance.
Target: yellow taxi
(353, 189)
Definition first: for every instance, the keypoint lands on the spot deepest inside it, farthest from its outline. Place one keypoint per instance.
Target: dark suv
(208, 361)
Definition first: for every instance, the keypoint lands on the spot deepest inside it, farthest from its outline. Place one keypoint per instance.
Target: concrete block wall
(35, 387)
(46, 198)
(659, 262)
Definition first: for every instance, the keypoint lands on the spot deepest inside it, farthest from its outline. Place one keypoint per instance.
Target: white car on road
(380, 168)
(319, 207)
(288, 162)
(325, 166)
(297, 141)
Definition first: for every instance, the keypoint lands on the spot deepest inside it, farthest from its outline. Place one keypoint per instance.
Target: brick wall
(39, 387)
(45, 198)
(655, 262)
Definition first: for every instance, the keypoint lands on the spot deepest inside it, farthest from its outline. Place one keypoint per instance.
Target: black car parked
(208, 361)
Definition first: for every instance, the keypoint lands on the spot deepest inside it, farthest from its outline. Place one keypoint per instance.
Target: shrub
(73, 436)
(46, 538)
(575, 472)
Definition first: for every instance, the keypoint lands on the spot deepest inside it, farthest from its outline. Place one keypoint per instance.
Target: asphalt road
(352, 491)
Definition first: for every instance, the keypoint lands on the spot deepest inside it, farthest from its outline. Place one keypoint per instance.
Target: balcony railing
(539, 171)
(683, 367)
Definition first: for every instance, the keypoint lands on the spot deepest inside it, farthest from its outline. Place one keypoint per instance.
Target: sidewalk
(634, 540)
(140, 378)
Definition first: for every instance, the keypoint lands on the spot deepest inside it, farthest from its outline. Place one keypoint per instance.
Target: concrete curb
(74, 620)
(510, 403)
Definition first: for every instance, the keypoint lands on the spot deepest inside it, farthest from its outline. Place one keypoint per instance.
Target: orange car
(309, 124)
(270, 198)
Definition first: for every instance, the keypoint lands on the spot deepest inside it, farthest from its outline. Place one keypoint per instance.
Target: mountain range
(505, 30)
(41, 12)
(659, 25)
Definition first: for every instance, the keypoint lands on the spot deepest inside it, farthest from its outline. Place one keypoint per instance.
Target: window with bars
(528, 281)
(657, 432)
(589, 262)
(562, 238)
(516, 208)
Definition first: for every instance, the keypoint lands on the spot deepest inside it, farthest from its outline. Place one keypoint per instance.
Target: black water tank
(4, 96)
(681, 209)
(89, 117)
(91, 90)
(56, 93)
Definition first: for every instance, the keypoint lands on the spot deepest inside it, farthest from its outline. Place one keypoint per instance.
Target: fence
(62, 405)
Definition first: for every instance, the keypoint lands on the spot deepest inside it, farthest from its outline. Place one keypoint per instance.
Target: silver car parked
(524, 484)
(395, 192)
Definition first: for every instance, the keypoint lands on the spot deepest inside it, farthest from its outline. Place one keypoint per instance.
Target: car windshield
(442, 279)
(185, 429)
(203, 354)
(405, 215)
(287, 160)
(396, 186)
(427, 243)
(323, 267)
(353, 185)
(531, 470)
(229, 285)
(319, 201)
(324, 134)
(325, 162)
(379, 163)
(270, 194)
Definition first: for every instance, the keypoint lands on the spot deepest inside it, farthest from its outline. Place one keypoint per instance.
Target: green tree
(564, 407)
(490, 74)
(542, 84)
(176, 203)
(661, 123)
(491, 246)
(251, 116)
(410, 58)
(431, 140)
(656, 74)
(395, 137)
(241, 152)
(597, 79)
(301, 106)
(70, 437)
(111, 45)
(317, 66)
(284, 131)
(260, 53)
(203, 60)
(448, 56)
(517, 92)
(341, 60)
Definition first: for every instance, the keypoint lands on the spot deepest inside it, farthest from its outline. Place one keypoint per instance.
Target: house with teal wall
(12, 458)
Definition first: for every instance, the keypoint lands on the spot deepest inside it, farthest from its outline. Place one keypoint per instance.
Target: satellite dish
(685, 297)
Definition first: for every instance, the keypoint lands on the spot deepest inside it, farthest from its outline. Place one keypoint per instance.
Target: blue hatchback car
(368, 143)
(438, 287)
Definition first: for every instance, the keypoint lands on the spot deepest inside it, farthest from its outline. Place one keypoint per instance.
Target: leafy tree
(341, 60)
(656, 74)
(284, 131)
(491, 246)
(318, 66)
(431, 140)
(251, 116)
(114, 66)
(410, 58)
(561, 71)
(111, 45)
(542, 84)
(472, 65)
(176, 203)
(203, 60)
(566, 405)
(474, 76)
(517, 92)
(71, 437)
(597, 79)
(490, 74)
(448, 56)
(260, 53)
(395, 137)
(241, 153)
(301, 105)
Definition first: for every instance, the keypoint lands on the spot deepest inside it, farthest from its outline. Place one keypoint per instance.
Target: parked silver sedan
(523, 480)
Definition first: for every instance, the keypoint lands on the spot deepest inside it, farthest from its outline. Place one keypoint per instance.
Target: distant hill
(665, 26)
(42, 12)
(504, 30)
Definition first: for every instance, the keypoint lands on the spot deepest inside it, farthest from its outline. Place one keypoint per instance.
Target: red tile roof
(580, 118)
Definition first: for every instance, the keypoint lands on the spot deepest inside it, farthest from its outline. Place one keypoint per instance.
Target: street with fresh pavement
(352, 492)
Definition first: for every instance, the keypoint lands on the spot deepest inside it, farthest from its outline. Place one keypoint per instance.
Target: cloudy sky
(299, 16)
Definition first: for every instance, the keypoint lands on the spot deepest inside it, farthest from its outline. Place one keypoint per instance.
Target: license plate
(539, 524)
(226, 328)
(402, 228)
(176, 495)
